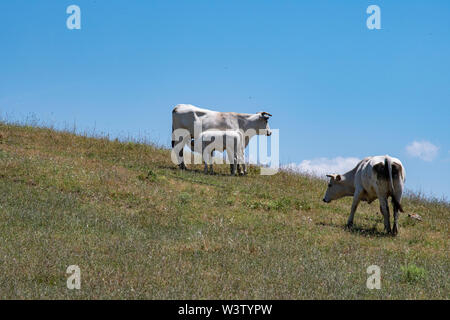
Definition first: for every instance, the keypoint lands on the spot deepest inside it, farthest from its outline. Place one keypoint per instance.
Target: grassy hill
(139, 228)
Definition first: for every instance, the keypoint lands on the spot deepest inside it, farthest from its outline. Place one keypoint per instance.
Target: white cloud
(322, 166)
(423, 150)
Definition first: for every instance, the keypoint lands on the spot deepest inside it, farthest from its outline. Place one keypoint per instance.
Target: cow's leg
(356, 200)
(384, 207)
(242, 164)
(207, 159)
(231, 161)
(180, 155)
(395, 226)
(240, 159)
(233, 164)
(231, 155)
(204, 157)
(398, 186)
(399, 197)
(236, 161)
(211, 169)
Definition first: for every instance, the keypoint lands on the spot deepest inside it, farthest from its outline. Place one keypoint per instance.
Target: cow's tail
(173, 115)
(395, 201)
(173, 142)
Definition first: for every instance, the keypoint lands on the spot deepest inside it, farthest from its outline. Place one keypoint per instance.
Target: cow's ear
(330, 176)
(338, 177)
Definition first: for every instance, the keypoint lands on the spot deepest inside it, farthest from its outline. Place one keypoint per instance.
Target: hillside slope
(139, 228)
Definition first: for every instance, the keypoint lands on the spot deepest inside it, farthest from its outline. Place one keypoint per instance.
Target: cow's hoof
(349, 225)
(182, 166)
(394, 232)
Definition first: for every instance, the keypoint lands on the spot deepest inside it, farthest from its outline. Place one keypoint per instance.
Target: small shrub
(184, 198)
(229, 201)
(254, 204)
(302, 205)
(151, 176)
(279, 204)
(412, 273)
(264, 195)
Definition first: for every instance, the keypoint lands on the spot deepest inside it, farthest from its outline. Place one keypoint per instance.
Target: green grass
(413, 273)
(138, 228)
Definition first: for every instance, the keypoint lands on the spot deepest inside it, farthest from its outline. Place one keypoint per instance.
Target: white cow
(189, 121)
(372, 178)
(217, 140)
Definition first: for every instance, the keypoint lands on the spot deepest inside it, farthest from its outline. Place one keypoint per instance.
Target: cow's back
(189, 108)
(186, 116)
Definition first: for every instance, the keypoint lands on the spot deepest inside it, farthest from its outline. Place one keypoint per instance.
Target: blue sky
(336, 89)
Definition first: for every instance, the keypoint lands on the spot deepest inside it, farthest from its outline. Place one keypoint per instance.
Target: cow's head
(336, 188)
(262, 124)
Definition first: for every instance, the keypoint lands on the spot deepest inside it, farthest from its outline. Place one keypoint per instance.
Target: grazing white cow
(372, 178)
(217, 140)
(189, 121)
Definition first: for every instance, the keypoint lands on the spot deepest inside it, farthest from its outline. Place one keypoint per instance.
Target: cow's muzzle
(325, 200)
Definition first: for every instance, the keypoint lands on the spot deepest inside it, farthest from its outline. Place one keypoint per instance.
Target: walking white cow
(189, 121)
(372, 178)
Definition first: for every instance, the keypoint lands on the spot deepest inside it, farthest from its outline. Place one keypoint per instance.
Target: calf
(372, 178)
(217, 140)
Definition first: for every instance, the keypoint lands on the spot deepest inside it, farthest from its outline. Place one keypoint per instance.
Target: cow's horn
(266, 114)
